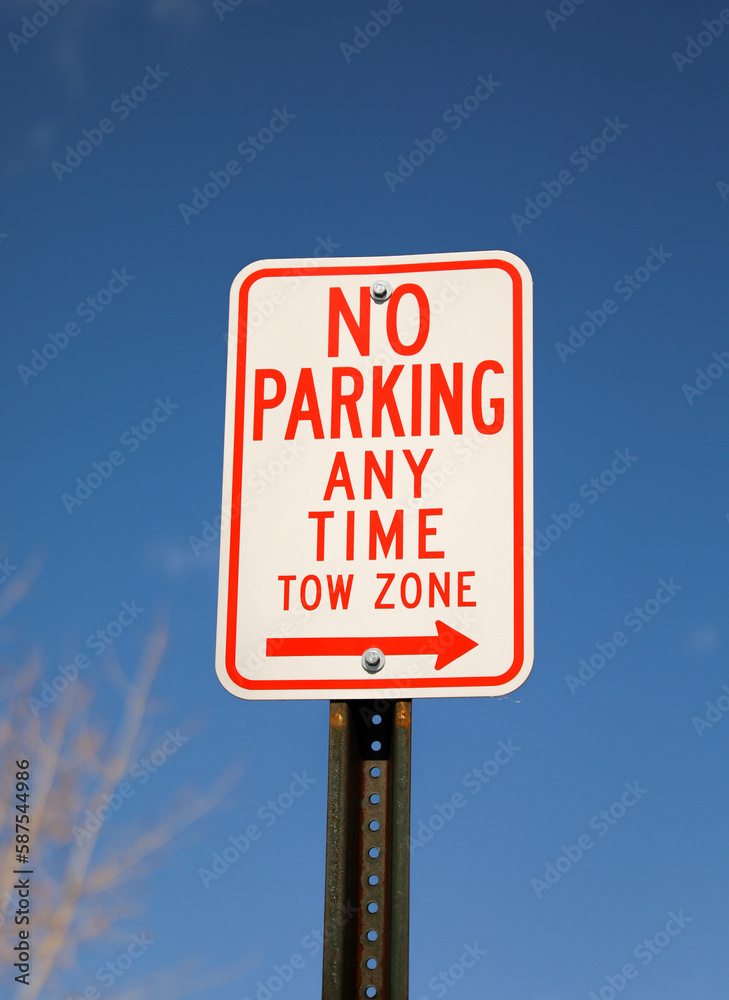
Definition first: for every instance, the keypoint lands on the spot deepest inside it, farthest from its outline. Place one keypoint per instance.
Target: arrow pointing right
(448, 645)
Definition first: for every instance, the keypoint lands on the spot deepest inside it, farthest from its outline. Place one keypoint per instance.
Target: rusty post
(366, 919)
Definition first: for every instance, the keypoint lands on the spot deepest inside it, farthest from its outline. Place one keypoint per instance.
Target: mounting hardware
(381, 290)
(373, 660)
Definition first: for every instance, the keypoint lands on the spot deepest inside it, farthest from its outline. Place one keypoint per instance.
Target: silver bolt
(373, 660)
(381, 290)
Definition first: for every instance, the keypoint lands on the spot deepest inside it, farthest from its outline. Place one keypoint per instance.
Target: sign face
(377, 481)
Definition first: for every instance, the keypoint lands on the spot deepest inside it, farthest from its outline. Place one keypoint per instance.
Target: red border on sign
(239, 414)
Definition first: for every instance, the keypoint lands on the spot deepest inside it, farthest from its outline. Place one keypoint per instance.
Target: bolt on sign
(378, 479)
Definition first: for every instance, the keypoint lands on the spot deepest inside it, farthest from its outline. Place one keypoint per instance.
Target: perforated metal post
(367, 890)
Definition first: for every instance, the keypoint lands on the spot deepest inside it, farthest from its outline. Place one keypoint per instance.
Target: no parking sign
(377, 471)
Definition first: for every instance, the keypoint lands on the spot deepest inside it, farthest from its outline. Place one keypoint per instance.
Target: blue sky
(648, 208)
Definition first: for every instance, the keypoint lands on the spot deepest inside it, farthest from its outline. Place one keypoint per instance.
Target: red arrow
(448, 644)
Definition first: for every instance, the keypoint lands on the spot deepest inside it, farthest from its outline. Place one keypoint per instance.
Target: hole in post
(371, 991)
(375, 772)
(374, 798)
(372, 907)
(371, 963)
(373, 879)
(374, 825)
(376, 745)
(376, 720)
(374, 852)
(371, 935)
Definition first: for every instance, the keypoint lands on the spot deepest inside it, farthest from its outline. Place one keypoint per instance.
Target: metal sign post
(366, 918)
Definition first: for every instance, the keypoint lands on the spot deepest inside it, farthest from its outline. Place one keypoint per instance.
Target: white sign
(377, 481)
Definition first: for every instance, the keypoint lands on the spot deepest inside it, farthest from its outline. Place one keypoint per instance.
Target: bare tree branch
(74, 765)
